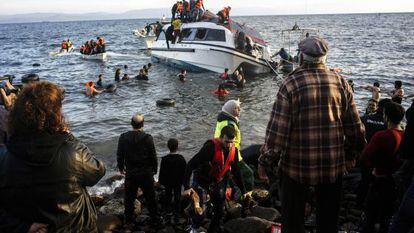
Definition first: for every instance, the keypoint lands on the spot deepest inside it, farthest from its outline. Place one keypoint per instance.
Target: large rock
(116, 207)
(108, 223)
(248, 225)
(266, 213)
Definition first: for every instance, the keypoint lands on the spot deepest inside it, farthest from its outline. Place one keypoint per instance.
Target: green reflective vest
(220, 125)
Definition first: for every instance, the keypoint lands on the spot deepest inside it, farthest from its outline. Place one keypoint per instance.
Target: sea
(367, 47)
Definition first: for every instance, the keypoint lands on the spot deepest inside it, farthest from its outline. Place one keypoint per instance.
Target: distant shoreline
(131, 15)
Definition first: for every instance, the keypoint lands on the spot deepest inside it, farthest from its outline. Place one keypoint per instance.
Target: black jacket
(136, 153)
(43, 179)
(201, 164)
(172, 170)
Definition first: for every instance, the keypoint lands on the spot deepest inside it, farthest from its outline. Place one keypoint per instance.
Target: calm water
(368, 47)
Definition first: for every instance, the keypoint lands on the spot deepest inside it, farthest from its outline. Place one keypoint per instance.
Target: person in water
(145, 69)
(118, 75)
(141, 75)
(91, 89)
(125, 77)
(283, 54)
(398, 93)
(224, 76)
(221, 91)
(182, 75)
(100, 80)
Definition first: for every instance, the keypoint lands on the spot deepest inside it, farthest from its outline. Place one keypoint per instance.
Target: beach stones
(108, 223)
(266, 213)
(116, 207)
(248, 225)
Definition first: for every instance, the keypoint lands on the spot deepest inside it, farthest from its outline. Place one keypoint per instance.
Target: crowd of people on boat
(93, 47)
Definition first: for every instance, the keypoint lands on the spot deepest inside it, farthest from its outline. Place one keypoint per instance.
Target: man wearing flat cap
(137, 160)
(314, 116)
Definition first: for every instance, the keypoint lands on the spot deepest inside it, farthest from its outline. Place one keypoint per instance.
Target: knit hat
(230, 105)
(314, 46)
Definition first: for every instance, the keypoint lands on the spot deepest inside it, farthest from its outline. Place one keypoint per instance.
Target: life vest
(221, 92)
(224, 76)
(225, 12)
(219, 166)
(64, 45)
(180, 7)
(199, 4)
(89, 88)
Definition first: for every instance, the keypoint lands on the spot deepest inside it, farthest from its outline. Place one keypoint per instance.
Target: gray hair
(314, 60)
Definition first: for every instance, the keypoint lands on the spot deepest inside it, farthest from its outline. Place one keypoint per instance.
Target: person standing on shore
(137, 160)
(314, 116)
(229, 116)
(382, 154)
(45, 170)
(171, 175)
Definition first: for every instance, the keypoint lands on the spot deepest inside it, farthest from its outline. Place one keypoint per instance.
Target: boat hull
(97, 57)
(199, 58)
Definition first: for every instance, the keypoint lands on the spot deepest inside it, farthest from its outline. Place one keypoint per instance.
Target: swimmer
(91, 90)
(181, 75)
(125, 77)
(100, 80)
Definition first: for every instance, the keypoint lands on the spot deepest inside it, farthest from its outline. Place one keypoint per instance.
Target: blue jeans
(404, 218)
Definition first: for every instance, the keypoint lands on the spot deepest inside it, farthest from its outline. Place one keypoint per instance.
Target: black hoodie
(43, 179)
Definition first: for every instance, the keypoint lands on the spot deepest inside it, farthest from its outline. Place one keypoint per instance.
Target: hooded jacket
(43, 179)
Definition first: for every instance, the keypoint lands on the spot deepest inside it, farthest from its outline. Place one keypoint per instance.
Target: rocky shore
(259, 214)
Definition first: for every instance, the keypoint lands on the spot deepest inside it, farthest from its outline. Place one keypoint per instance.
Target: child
(375, 89)
(398, 93)
(182, 75)
(171, 176)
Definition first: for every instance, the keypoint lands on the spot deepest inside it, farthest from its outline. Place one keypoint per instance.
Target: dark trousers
(170, 192)
(294, 196)
(403, 220)
(146, 183)
(217, 194)
(380, 204)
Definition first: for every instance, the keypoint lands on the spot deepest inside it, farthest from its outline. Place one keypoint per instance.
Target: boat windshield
(202, 34)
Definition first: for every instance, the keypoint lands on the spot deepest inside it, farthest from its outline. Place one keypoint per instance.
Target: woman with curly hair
(45, 170)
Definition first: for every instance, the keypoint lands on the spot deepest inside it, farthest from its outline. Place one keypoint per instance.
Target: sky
(9, 7)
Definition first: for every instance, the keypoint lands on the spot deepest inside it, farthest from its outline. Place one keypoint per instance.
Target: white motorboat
(97, 56)
(210, 46)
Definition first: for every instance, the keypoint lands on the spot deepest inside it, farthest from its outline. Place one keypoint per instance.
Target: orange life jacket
(64, 45)
(219, 166)
(199, 4)
(225, 12)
